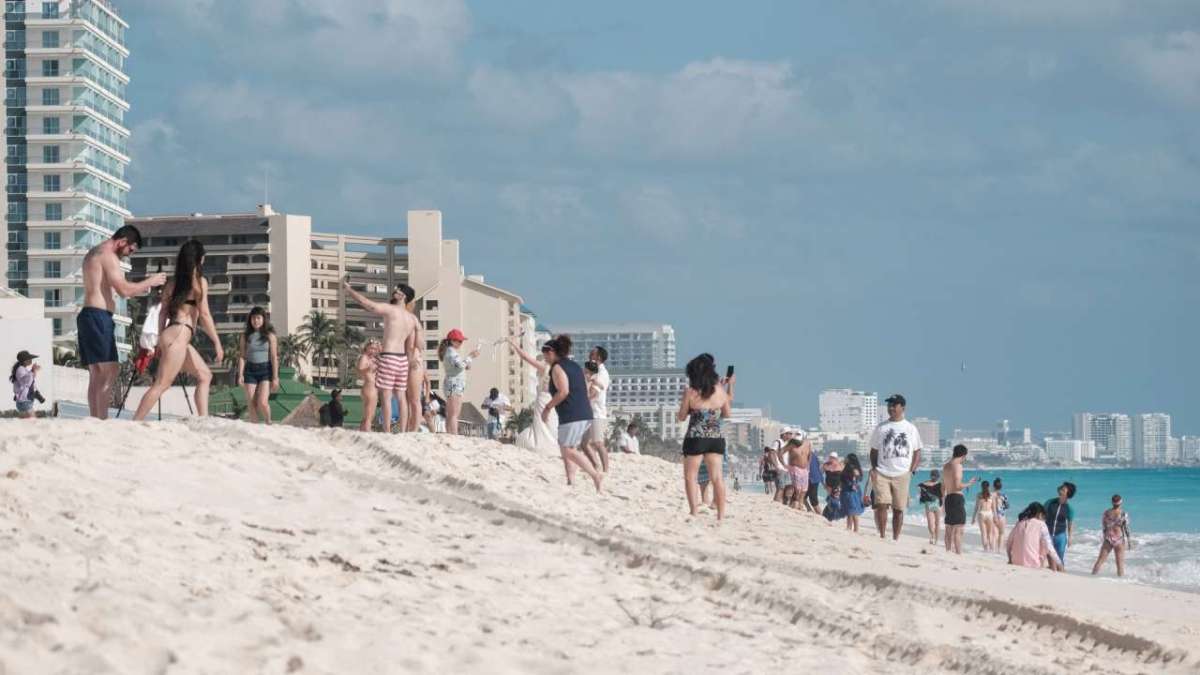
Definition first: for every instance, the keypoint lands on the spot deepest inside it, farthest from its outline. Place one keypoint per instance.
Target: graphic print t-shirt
(896, 443)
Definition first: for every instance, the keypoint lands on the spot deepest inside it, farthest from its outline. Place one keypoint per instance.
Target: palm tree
(318, 336)
(520, 422)
(290, 351)
(350, 341)
(231, 344)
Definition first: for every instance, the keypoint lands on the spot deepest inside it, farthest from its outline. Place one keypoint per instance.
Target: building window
(50, 10)
(54, 211)
(431, 365)
(51, 97)
(53, 269)
(50, 154)
(57, 327)
(431, 344)
(51, 183)
(431, 304)
(316, 303)
(431, 325)
(50, 125)
(316, 284)
(50, 68)
(50, 39)
(434, 384)
(53, 298)
(52, 241)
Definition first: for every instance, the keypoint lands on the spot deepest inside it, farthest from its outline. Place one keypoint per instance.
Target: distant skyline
(863, 195)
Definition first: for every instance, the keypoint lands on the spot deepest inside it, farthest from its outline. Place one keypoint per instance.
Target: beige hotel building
(277, 261)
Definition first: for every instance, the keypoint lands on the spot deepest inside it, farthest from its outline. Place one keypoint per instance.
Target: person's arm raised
(537, 365)
(111, 268)
(366, 303)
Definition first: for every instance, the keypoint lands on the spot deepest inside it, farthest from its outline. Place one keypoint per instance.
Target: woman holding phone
(704, 403)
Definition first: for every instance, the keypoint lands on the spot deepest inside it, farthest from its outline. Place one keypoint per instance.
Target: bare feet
(598, 479)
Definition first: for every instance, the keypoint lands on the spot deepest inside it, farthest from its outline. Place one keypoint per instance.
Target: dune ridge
(213, 546)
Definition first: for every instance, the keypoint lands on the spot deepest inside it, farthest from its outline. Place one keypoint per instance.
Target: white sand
(216, 547)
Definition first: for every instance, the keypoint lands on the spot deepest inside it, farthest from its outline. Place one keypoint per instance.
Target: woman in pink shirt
(1029, 543)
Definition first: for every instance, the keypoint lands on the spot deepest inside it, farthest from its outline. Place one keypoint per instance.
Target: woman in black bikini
(185, 307)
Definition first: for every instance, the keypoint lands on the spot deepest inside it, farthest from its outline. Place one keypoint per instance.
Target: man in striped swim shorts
(399, 340)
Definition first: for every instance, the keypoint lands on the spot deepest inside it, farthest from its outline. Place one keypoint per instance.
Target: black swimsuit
(176, 322)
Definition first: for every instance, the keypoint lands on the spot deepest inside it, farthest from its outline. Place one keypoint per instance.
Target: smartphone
(729, 372)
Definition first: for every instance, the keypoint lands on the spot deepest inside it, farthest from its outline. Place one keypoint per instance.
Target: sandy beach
(208, 546)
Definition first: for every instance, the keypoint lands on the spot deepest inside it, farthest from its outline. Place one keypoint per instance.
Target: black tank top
(576, 407)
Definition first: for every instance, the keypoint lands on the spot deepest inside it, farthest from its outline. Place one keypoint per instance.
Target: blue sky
(826, 194)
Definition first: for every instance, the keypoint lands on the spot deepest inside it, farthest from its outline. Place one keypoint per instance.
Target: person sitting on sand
(702, 406)
(1029, 542)
(1114, 528)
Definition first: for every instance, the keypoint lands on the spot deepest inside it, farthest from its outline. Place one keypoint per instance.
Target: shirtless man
(406, 295)
(96, 334)
(399, 340)
(953, 501)
(799, 459)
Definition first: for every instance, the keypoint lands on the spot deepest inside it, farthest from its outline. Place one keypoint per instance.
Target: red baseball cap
(456, 335)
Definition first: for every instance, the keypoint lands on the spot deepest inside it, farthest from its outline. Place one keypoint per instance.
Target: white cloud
(1170, 64)
(707, 109)
(351, 39)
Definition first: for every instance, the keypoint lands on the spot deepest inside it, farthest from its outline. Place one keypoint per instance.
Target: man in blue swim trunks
(102, 276)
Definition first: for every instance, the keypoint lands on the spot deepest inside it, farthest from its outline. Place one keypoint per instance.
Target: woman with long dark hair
(985, 510)
(852, 496)
(703, 404)
(258, 365)
(569, 399)
(185, 307)
(1029, 543)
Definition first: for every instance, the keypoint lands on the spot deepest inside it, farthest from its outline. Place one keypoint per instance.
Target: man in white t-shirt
(598, 393)
(497, 406)
(629, 440)
(895, 456)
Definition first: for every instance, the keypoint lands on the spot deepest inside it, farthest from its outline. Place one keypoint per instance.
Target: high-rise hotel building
(846, 411)
(67, 149)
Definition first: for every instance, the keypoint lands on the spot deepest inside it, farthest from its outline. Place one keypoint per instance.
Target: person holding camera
(23, 378)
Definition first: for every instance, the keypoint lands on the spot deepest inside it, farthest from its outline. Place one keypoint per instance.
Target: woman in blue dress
(852, 503)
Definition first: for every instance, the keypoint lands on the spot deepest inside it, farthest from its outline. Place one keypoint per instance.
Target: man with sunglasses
(895, 456)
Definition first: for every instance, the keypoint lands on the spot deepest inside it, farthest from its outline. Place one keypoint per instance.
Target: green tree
(291, 352)
(319, 337)
(231, 344)
(519, 422)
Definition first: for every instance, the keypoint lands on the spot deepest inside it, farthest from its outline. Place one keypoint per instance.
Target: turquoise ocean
(1163, 507)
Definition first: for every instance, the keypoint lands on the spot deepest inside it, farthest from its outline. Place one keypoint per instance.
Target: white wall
(23, 326)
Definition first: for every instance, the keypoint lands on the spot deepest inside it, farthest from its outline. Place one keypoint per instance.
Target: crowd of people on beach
(575, 396)
(793, 473)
